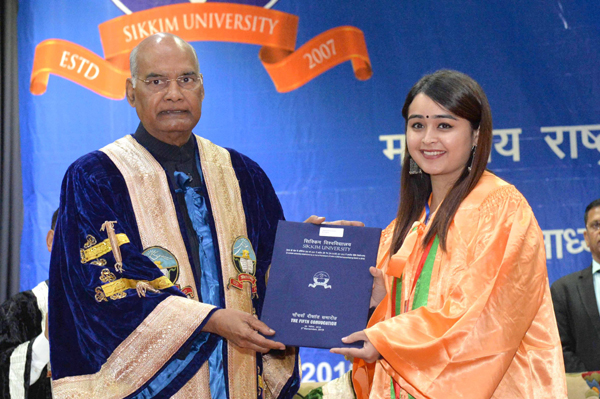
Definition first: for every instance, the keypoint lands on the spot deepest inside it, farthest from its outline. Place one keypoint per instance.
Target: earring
(414, 168)
(471, 158)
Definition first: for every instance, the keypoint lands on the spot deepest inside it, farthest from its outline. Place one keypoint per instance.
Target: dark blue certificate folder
(319, 285)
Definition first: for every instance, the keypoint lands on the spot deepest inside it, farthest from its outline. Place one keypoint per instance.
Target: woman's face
(439, 141)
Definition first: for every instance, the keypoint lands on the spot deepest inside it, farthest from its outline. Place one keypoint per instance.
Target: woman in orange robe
(464, 308)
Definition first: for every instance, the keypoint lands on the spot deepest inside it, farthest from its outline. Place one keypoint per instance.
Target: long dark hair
(462, 96)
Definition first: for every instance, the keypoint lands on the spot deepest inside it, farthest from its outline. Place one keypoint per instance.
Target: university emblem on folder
(244, 260)
(320, 278)
(168, 265)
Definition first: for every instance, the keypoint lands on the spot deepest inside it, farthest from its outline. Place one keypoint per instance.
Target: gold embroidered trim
(106, 276)
(90, 241)
(340, 388)
(100, 295)
(141, 355)
(153, 206)
(98, 262)
(120, 295)
(230, 222)
(98, 250)
(152, 203)
(123, 284)
(277, 371)
(194, 388)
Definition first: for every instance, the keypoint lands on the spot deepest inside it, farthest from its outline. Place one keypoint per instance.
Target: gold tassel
(112, 237)
(142, 286)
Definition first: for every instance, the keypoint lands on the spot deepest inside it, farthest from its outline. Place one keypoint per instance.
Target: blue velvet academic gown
(83, 334)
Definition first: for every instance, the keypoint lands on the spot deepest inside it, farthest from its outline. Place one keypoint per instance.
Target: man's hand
(368, 352)
(321, 220)
(379, 291)
(242, 330)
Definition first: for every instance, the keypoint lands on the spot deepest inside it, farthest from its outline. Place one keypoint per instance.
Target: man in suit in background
(576, 300)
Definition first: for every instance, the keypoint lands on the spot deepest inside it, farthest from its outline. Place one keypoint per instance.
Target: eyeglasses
(186, 82)
(595, 226)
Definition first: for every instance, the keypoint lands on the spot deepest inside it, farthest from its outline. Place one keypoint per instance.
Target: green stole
(421, 290)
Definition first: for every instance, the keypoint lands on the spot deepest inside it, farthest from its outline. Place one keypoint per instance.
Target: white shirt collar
(595, 266)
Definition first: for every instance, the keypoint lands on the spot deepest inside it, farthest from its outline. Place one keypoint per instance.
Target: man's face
(172, 112)
(592, 232)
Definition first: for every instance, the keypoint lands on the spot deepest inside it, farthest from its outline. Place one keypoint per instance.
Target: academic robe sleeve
(123, 344)
(463, 346)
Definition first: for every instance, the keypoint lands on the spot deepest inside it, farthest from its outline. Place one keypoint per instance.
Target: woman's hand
(368, 352)
(379, 291)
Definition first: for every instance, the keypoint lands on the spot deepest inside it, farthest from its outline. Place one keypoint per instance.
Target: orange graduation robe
(488, 328)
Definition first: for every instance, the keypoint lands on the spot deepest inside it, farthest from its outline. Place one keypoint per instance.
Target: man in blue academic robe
(148, 297)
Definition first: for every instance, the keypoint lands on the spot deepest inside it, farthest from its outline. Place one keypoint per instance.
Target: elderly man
(576, 299)
(147, 295)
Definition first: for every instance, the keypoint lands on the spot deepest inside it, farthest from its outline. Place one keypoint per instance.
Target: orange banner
(76, 63)
(290, 70)
(274, 30)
